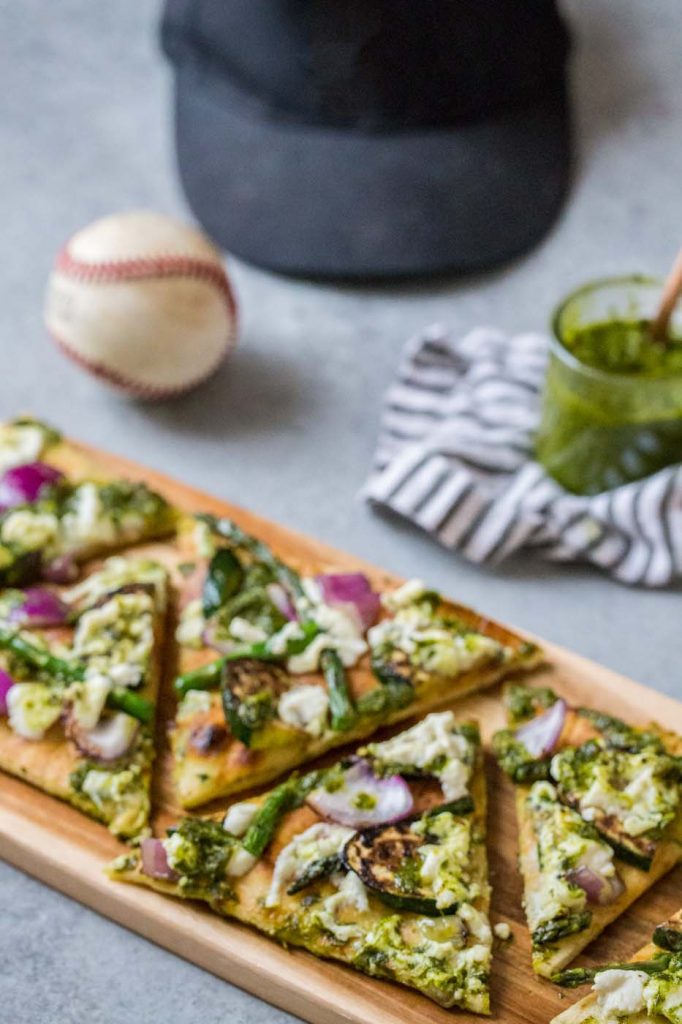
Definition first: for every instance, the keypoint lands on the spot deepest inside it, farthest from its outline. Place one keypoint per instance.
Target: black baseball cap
(371, 138)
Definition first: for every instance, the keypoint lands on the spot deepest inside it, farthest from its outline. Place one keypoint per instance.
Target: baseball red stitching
(145, 267)
(133, 387)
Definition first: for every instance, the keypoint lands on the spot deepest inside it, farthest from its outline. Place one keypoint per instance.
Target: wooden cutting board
(56, 844)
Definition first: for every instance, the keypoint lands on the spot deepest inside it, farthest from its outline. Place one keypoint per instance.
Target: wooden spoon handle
(672, 289)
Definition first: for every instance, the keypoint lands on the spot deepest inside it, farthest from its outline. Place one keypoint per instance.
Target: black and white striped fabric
(455, 456)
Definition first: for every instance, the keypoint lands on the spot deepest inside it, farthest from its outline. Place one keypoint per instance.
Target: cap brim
(312, 200)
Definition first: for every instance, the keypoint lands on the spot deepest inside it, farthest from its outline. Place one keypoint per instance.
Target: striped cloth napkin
(455, 457)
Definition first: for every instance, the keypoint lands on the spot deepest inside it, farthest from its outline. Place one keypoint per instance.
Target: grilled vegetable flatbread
(598, 805)
(78, 695)
(646, 989)
(308, 663)
(54, 516)
(380, 867)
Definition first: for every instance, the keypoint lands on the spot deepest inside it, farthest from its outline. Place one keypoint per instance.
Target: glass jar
(612, 403)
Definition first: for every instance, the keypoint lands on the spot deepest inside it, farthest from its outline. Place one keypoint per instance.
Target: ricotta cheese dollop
(434, 744)
(620, 992)
(305, 707)
(32, 709)
(318, 841)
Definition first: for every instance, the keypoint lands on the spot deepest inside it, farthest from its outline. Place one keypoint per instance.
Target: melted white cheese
(425, 744)
(404, 595)
(632, 789)
(117, 637)
(320, 840)
(620, 992)
(240, 862)
(117, 572)
(431, 645)
(351, 894)
(179, 850)
(86, 523)
(246, 632)
(20, 443)
(190, 629)
(339, 632)
(31, 530)
(195, 702)
(103, 786)
(88, 699)
(445, 864)
(32, 709)
(305, 707)
(240, 817)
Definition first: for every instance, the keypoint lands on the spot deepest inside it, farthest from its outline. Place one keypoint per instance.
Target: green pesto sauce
(596, 434)
(624, 346)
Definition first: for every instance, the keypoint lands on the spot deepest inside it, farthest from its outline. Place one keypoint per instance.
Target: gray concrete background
(287, 426)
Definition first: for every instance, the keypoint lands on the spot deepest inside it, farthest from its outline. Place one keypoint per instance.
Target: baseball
(142, 301)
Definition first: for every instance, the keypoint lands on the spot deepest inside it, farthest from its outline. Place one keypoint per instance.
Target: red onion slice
(597, 888)
(62, 570)
(541, 735)
(363, 799)
(6, 684)
(281, 601)
(40, 607)
(209, 637)
(110, 739)
(352, 591)
(155, 860)
(22, 484)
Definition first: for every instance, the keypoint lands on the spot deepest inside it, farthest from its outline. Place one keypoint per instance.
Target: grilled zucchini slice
(669, 935)
(387, 859)
(250, 690)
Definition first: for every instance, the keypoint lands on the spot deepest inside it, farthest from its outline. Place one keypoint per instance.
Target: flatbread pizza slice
(79, 673)
(645, 990)
(54, 515)
(308, 660)
(378, 862)
(598, 807)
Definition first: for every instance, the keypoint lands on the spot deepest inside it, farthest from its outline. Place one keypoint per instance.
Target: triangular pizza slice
(378, 861)
(645, 990)
(54, 515)
(598, 806)
(79, 673)
(280, 664)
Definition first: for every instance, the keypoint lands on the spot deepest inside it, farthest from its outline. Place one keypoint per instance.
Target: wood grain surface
(56, 844)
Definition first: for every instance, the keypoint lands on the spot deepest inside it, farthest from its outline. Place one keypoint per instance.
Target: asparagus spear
(62, 671)
(282, 799)
(134, 704)
(286, 797)
(669, 935)
(323, 867)
(40, 657)
(341, 706)
(382, 700)
(575, 976)
(237, 537)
